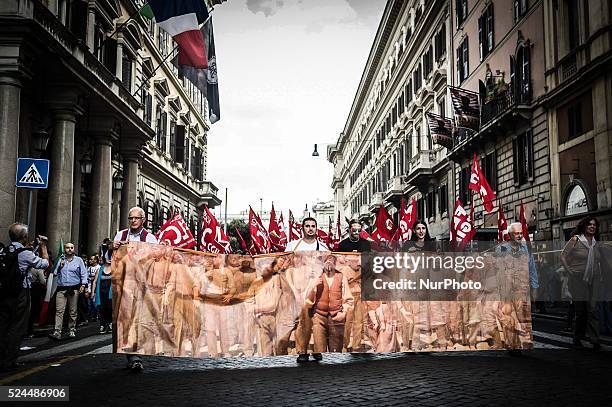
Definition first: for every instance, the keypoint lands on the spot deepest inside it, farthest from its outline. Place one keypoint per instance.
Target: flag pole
(167, 56)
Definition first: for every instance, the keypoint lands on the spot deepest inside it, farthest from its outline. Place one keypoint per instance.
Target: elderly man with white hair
(516, 245)
(136, 232)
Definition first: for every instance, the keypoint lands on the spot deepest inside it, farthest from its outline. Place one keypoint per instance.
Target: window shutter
(481, 36)
(512, 74)
(515, 161)
(458, 62)
(523, 7)
(466, 62)
(490, 27)
(529, 155)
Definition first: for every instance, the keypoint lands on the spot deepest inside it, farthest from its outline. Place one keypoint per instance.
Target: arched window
(520, 72)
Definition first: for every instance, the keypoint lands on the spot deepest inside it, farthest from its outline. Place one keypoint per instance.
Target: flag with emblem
(278, 238)
(462, 230)
(295, 229)
(176, 233)
(259, 235)
(502, 226)
(479, 184)
(213, 238)
(441, 130)
(466, 107)
(385, 228)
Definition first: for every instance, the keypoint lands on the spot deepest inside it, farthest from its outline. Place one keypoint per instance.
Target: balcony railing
(98, 68)
(43, 16)
(503, 101)
(394, 186)
(424, 160)
(569, 67)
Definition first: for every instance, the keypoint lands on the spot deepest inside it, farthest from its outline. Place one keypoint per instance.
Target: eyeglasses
(134, 217)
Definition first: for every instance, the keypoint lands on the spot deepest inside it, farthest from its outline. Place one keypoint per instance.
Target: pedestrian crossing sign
(32, 173)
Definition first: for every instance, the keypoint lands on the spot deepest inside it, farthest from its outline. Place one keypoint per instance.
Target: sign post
(32, 173)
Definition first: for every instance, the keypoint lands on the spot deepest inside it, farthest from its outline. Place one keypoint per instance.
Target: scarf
(590, 266)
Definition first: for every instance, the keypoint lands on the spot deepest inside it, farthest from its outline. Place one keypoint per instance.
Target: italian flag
(180, 19)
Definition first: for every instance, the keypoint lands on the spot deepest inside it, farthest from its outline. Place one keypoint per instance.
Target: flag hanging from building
(295, 229)
(502, 226)
(278, 238)
(406, 221)
(259, 234)
(441, 130)
(524, 224)
(478, 183)
(461, 228)
(385, 228)
(176, 233)
(466, 106)
(213, 239)
(181, 19)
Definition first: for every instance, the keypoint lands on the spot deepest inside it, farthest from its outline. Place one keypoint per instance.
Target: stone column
(61, 170)
(91, 26)
(76, 204)
(119, 65)
(101, 197)
(129, 193)
(10, 94)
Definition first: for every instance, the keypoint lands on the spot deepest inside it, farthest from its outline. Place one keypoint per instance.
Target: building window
(519, 9)
(161, 127)
(440, 43)
(464, 183)
(428, 62)
(485, 32)
(173, 139)
(489, 168)
(575, 118)
(520, 73)
(443, 199)
(418, 13)
(522, 154)
(420, 209)
(161, 42)
(126, 72)
(147, 101)
(461, 11)
(463, 67)
(573, 34)
(442, 106)
(430, 201)
(417, 78)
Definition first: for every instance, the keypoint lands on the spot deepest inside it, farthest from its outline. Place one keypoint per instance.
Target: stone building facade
(121, 129)
(385, 151)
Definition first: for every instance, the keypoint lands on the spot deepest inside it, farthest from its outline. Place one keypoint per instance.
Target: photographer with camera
(16, 261)
(71, 282)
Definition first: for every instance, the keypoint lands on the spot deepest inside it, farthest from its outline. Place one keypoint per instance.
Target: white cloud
(288, 72)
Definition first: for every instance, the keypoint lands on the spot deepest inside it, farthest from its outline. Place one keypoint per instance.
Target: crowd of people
(333, 315)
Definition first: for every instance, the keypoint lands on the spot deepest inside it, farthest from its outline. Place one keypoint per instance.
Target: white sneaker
(102, 329)
(57, 335)
(72, 333)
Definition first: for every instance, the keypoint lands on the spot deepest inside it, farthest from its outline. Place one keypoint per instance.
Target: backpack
(11, 278)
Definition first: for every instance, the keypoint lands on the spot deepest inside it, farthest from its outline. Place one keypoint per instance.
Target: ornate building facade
(122, 128)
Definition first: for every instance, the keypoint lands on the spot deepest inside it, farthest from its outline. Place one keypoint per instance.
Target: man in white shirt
(304, 329)
(136, 232)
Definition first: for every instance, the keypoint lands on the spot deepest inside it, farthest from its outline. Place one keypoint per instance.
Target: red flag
(278, 239)
(479, 184)
(385, 229)
(462, 230)
(406, 221)
(365, 235)
(213, 239)
(176, 233)
(259, 234)
(502, 226)
(524, 224)
(295, 229)
(242, 242)
(281, 228)
(322, 236)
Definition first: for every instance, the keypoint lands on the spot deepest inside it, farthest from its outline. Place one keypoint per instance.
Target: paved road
(551, 374)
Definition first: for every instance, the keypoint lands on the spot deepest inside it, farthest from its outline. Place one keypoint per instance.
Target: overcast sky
(288, 72)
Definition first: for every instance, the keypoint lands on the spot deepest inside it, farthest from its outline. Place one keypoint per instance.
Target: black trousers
(14, 315)
(106, 304)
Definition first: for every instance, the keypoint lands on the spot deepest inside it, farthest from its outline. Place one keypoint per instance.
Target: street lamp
(86, 163)
(117, 181)
(40, 140)
(315, 153)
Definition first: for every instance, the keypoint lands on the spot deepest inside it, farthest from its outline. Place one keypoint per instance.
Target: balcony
(395, 190)
(377, 200)
(499, 114)
(420, 168)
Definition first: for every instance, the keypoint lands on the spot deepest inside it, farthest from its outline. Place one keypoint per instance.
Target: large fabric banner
(177, 302)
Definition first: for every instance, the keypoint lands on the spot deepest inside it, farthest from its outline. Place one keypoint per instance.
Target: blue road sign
(32, 173)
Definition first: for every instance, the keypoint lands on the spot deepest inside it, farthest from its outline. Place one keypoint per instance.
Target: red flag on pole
(278, 239)
(479, 184)
(502, 226)
(462, 229)
(281, 228)
(406, 221)
(176, 233)
(524, 224)
(242, 242)
(213, 239)
(385, 229)
(259, 234)
(295, 229)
